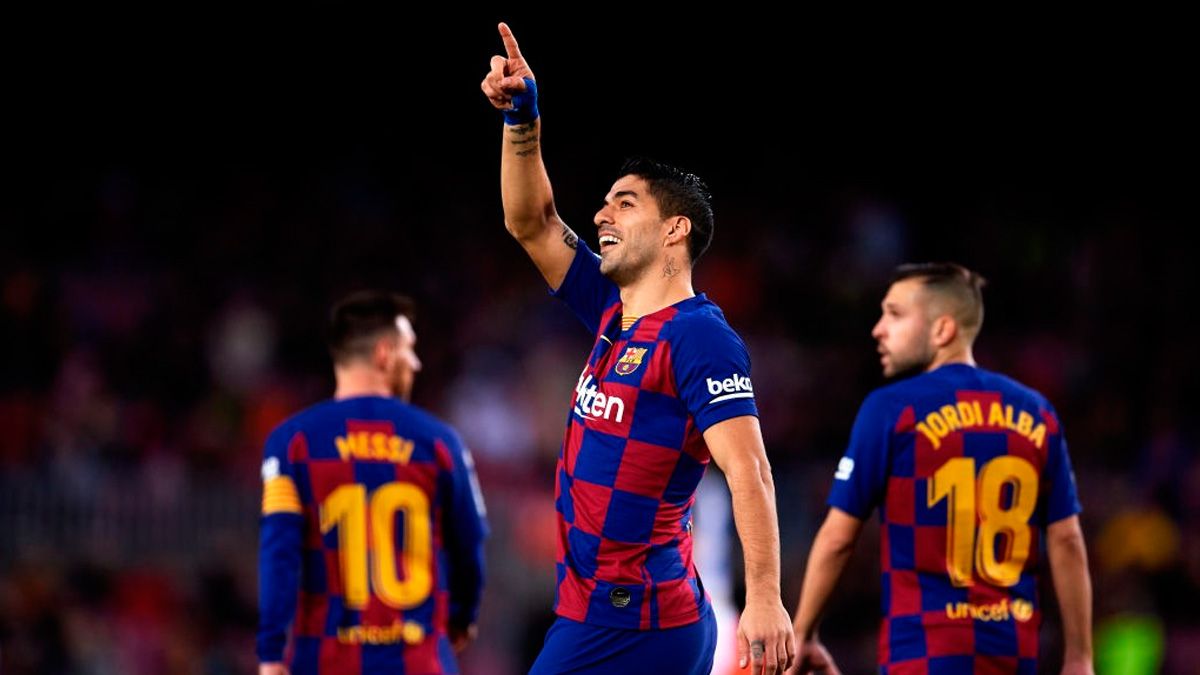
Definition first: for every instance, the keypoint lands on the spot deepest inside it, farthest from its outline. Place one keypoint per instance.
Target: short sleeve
(861, 476)
(1062, 495)
(585, 290)
(712, 372)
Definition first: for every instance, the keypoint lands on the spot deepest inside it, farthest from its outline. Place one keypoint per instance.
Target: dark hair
(963, 287)
(678, 193)
(358, 319)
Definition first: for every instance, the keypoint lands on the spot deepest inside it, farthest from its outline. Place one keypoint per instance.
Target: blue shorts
(573, 647)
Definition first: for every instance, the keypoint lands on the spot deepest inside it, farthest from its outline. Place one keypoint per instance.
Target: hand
(272, 669)
(812, 657)
(460, 637)
(507, 76)
(765, 638)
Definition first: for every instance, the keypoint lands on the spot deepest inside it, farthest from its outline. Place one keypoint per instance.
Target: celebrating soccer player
(665, 388)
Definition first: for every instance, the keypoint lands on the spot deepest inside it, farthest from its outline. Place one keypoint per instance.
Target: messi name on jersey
(362, 445)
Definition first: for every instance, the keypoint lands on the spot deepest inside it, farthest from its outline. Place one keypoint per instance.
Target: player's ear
(381, 354)
(678, 228)
(945, 329)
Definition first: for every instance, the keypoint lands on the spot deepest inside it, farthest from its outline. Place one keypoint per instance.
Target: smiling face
(904, 330)
(630, 230)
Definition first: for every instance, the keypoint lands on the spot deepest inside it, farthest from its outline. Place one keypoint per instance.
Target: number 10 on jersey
(348, 509)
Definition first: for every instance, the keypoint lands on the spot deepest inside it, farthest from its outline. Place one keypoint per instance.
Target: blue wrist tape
(524, 108)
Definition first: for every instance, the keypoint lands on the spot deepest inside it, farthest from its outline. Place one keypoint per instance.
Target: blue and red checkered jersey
(371, 540)
(633, 453)
(967, 467)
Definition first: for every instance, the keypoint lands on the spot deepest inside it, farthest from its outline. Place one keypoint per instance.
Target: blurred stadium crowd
(149, 350)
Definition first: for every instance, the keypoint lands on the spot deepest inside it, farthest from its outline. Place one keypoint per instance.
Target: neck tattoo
(670, 269)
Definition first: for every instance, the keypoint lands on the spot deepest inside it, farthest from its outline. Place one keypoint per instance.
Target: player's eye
(626, 203)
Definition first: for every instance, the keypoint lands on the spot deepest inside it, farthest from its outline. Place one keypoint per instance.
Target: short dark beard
(906, 372)
(915, 367)
(627, 274)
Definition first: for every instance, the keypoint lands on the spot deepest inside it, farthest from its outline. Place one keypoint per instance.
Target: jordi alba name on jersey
(967, 467)
(633, 453)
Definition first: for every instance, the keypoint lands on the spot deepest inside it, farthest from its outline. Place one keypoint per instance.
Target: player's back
(975, 468)
(374, 478)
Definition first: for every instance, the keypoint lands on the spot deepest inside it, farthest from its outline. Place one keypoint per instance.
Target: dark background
(186, 191)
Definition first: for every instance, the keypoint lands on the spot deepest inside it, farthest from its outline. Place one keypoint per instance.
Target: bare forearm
(737, 447)
(753, 492)
(524, 184)
(826, 561)
(1073, 586)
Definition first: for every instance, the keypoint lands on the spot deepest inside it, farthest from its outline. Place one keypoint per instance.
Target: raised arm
(529, 213)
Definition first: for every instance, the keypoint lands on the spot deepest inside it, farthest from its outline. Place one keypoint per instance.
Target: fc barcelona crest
(630, 360)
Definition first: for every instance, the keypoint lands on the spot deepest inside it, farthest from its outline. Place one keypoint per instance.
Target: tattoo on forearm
(670, 269)
(520, 135)
(570, 238)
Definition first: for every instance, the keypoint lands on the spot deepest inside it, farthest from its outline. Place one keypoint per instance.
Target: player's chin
(892, 367)
(895, 370)
(608, 265)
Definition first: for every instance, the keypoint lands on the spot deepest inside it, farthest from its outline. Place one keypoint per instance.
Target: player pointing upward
(665, 388)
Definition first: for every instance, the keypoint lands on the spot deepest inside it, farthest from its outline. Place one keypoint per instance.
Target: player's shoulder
(699, 319)
(698, 309)
(335, 412)
(435, 426)
(906, 388)
(1013, 388)
(298, 421)
(313, 415)
(888, 397)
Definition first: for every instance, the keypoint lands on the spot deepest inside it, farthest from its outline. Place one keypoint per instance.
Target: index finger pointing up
(510, 42)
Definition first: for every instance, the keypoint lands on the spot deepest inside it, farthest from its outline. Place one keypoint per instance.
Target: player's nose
(602, 217)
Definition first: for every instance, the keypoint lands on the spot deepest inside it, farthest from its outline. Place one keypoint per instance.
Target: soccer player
(373, 523)
(969, 468)
(665, 388)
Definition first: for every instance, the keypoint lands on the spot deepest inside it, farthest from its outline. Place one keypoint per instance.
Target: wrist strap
(524, 108)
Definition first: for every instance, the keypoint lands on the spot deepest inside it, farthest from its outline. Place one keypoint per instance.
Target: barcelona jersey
(634, 453)
(967, 468)
(371, 540)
